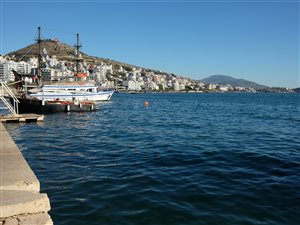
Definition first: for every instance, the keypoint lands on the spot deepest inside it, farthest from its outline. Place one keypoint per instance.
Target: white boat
(71, 92)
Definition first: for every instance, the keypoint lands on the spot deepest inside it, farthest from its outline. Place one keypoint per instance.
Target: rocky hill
(227, 80)
(63, 52)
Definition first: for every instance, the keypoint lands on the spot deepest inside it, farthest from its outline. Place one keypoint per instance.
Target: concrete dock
(21, 118)
(21, 202)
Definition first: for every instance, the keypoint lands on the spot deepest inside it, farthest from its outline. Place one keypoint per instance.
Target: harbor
(183, 159)
(33, 93)
(149, 112)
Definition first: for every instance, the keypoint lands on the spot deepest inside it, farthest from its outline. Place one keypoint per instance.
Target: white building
(181, 86)
(2, 74)
(212, 87)
(133, 86)
(101, 71)
(52, 61)
(23, 67)
(33, 62)
(176, 86)
(151, 86)
(8, 67)
(224, 88)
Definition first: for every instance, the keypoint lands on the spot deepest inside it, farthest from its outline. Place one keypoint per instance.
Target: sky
(256, 40)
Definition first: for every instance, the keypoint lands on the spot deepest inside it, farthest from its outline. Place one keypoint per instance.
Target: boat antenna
(77, 54)
(39, 42)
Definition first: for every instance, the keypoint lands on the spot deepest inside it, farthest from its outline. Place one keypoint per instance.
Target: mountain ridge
(228, 80)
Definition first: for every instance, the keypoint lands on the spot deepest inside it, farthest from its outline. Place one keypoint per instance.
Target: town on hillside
(122, 78)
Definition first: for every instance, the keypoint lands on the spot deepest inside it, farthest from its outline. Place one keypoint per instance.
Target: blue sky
(253, 40)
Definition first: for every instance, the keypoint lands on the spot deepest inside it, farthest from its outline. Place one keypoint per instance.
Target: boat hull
(27, 105)
(69, 96)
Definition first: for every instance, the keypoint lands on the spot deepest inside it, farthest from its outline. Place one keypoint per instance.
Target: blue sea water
(185, 159)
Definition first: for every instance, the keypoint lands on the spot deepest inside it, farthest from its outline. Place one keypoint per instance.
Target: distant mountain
(227, 80)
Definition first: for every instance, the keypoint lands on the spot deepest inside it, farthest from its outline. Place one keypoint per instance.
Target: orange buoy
(146, 103)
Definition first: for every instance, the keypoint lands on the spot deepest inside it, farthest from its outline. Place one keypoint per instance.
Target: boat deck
(22, 118)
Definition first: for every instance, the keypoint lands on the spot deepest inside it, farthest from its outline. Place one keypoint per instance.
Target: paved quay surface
(21, 202)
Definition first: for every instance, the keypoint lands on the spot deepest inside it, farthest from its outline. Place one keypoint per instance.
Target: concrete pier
(21, 118)
(21, 202)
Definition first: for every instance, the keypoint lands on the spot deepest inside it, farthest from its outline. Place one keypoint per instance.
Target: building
(23, 67)
(2, 74)
(8, 67)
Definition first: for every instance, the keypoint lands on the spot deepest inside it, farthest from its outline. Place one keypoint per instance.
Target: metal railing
(5, 91)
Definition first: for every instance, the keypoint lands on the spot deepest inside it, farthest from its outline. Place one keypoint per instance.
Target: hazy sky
(256, 40)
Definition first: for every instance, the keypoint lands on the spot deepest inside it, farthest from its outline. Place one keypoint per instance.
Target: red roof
(81, 75)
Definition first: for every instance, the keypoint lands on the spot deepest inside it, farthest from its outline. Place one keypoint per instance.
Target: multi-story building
(176, 86)
(133, 86)
(8, 67)
(2, 74)
(23, 67)
(181, 86)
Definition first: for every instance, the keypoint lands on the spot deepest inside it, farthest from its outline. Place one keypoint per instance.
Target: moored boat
(72, 91)
(32, 105)
(77, 95)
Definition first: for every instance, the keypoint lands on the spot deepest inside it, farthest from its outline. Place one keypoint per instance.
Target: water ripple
(184, 159)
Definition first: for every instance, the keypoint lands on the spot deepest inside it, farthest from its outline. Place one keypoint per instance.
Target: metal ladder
(14, 110)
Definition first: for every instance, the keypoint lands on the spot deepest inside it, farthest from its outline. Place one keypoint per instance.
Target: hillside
(63, 52)
(227, 80)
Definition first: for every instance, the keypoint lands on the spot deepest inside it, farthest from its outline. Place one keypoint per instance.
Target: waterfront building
(181, 86)
(211, 87)
(108, 84)
(224, 88)
(176, 85)
(133, 86)
(151, 86)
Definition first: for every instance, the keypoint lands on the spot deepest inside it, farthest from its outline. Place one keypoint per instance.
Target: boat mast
(39, 42)
(78, 60)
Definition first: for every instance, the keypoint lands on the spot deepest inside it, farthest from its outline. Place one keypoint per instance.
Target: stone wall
(21, 202)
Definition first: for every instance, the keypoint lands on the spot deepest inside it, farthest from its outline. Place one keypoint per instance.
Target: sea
(186, 158)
